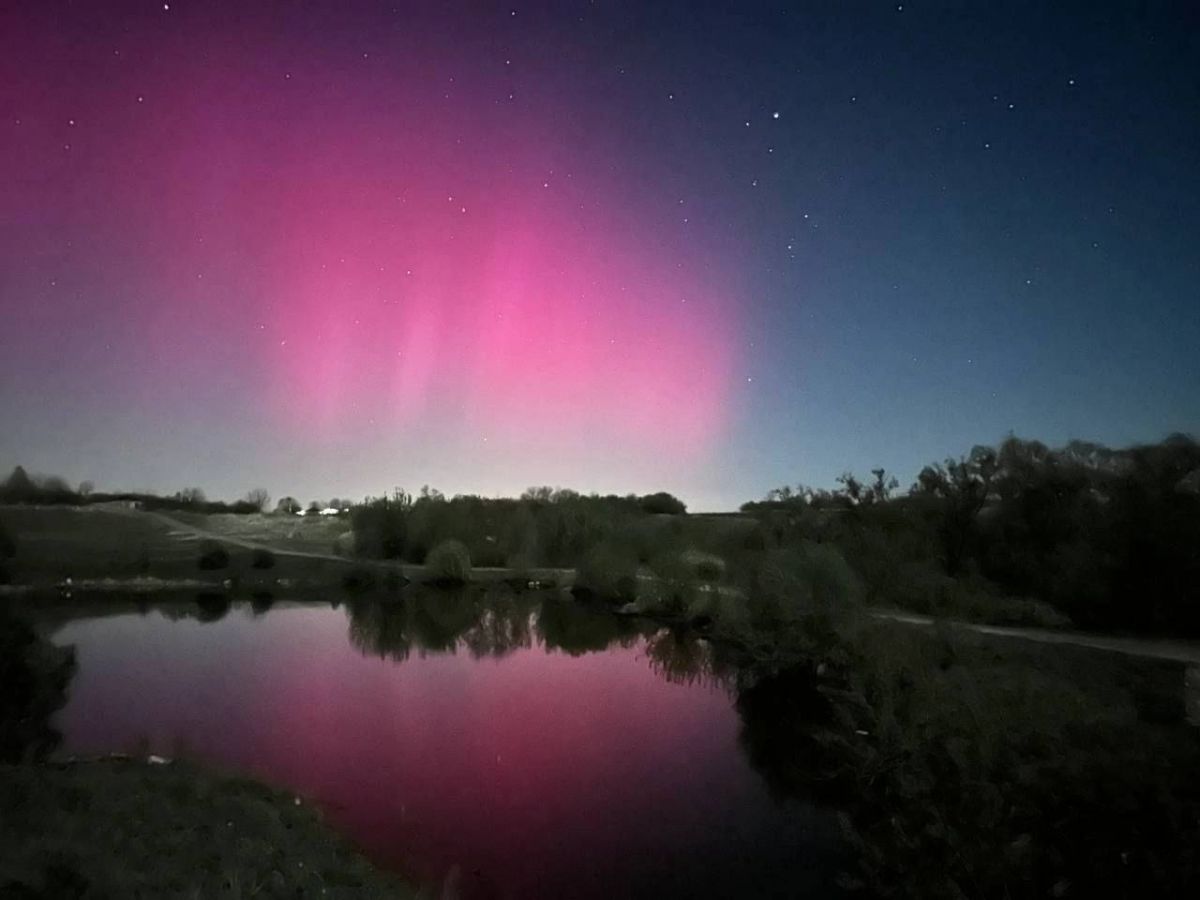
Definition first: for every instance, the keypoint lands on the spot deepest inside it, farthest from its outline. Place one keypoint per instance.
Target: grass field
(92, 545)
(122, 828)
(54, 543)
(303, 534)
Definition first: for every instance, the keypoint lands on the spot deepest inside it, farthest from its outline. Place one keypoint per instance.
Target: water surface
(525, 747)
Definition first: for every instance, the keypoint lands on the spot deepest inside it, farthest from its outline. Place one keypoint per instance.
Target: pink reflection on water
(531, 774)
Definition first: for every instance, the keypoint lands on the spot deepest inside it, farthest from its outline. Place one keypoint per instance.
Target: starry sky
(330, 248)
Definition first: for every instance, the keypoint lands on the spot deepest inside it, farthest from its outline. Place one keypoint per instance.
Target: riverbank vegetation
(1023, 534)
(120, 827)
(131, 829)
(1019, 534)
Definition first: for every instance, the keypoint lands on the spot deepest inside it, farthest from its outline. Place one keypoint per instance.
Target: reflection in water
(261, 602)
(495, 622)
(213, 606)
(683, 658)
(787, 733)
(576, 628)
(508, 743)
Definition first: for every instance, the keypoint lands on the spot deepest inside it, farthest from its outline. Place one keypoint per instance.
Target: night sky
(334, 247)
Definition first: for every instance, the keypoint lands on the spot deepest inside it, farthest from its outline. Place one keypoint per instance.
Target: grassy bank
(52, 544)
(122, 828)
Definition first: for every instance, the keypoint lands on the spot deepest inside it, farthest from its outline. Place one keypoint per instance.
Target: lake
(502, 745)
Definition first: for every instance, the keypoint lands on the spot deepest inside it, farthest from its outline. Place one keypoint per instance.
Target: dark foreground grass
(127, 829)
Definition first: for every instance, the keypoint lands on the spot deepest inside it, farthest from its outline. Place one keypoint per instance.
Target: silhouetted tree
(191, 496)
(18, 487)
(956, 492)
(258, 498)
(288, 505)
(662, 503)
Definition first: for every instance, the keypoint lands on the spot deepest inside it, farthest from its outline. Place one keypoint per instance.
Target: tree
(258, 498)
(957, 492)
(18, 487)
(662, 502)
(85, 488)
(288, 505)
(431, 495)
(192, 496)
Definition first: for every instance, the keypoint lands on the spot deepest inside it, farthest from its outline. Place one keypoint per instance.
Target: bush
(610, 573)
(705, 566)
(449, 563)
(811, 586)
(213, 556)
(262, 559)
(673, 591)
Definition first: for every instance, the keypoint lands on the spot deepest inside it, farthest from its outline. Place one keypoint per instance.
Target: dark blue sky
(905, 229)
(992, 219)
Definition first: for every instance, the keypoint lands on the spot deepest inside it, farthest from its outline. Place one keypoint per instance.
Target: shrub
(213, 556)
(262, 559)
(811, 586)
(705, 566)
(449, 563)
(610, 573)
(673, 591)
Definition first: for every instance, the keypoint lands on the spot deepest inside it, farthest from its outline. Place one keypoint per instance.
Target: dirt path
(411, 571)
(180, 526)
(1152, 648)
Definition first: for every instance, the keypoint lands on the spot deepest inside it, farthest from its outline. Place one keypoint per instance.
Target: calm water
(520, 747)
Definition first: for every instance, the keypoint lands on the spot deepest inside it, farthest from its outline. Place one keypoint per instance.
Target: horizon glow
(621, 248)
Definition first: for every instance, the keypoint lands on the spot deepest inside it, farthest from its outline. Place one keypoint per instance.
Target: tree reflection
(35, 675)
(505, 624)
(576, 628)
(681, 657)
(438, 617)
(212, 607)
(379, 628)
